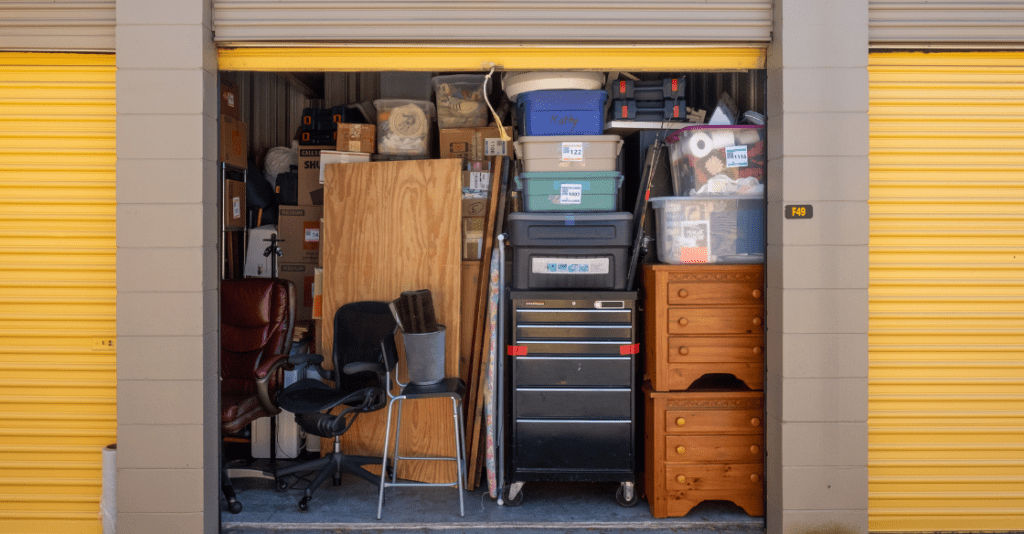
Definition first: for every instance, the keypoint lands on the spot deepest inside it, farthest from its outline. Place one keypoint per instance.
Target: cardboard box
(299, 229)
(357, 138)
(474, 207)
(309, 172)
(474, 144)
(234, 142)
(234, 203)
(302, 275)
(229, 104)
(472, 237)
(476, 180)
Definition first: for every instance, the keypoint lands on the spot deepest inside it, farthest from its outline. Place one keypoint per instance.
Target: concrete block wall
(817, 268)
(168, 224)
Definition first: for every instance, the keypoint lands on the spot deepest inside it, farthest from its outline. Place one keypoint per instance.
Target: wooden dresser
(704, 431)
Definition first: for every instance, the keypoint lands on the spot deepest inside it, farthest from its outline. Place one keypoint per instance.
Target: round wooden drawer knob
(680, 449)
(680, 421)
(757, 350)
(683, 321)
(754, 478)
(757, 293)
(684, 350)
(680, 479)
(755, 421)
(683, 293)
(754, 449)
(757, 321)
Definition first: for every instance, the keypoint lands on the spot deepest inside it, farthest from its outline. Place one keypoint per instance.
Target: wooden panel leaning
(391, 227)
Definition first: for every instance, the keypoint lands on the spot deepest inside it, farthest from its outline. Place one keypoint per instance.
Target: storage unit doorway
(276, 84)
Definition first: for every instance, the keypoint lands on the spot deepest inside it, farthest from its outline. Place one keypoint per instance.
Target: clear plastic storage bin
(714, 229)
(460, 101)
(718, 155)
(403, 127)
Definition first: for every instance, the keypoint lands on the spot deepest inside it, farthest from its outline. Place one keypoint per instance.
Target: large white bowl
(515, 83)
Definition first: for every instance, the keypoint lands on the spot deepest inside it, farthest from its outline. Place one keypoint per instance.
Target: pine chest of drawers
(704, 319)
(704, 445)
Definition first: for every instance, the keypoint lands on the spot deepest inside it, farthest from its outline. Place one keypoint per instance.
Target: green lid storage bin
(570, 191)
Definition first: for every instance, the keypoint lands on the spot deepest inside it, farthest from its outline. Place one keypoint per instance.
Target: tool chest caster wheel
(626, 495)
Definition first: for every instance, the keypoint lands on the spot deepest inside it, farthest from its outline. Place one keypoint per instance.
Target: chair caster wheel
(280, 485)
(304, 504)
(234, 507)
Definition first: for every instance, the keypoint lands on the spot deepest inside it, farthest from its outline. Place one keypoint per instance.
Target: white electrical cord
(501, 129)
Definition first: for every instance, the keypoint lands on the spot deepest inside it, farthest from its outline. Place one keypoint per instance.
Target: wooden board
(467, 313)
(391, 227)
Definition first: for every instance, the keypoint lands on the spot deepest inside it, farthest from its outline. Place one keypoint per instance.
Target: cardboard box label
(495, 147)
(236, 207)
(476, 180)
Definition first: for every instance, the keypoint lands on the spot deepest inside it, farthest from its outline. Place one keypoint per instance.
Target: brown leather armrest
(268, 365)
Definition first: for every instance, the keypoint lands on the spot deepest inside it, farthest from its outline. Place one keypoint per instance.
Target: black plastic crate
(318, 138)
(570, 251)
(664, 89)
(649, 110)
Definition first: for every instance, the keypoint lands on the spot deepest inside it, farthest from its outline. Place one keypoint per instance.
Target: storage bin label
(570, 194)
(572, 151)
(236, 207)
(570, 266)
(736, 156)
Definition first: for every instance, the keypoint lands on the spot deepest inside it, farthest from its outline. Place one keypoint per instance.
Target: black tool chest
(573, 386)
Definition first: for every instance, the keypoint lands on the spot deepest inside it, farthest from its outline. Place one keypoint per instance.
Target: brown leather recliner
(257, 321)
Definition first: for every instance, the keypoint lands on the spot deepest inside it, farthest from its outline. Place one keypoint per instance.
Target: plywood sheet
(391, 227)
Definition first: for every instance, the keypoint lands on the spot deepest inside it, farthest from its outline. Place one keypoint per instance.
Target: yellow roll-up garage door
(57, 288)
(946, 420)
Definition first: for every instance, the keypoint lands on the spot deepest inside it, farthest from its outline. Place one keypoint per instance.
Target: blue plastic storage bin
(568, 112)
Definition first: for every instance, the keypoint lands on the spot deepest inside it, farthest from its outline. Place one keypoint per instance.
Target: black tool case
(573, 388)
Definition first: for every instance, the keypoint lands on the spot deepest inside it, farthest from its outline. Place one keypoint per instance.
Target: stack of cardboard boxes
(477, 147)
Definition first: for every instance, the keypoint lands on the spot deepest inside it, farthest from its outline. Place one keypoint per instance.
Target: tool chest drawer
(564, 371)
(565, 446)
(586, 403)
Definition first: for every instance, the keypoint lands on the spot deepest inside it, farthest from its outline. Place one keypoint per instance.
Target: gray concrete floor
(547, 507)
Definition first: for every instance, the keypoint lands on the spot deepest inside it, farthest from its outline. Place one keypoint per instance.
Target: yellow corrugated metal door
(58, 378)
(946, 405)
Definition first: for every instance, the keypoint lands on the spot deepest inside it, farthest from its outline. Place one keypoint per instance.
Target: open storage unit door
(58, 399)
(946, 378)
(332, 77)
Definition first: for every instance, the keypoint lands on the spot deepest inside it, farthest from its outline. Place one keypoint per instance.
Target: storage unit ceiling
(70, 25)
(243, 21)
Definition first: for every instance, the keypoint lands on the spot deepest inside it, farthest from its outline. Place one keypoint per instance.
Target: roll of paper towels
(700, 144)
(722, 138)
(108, 497)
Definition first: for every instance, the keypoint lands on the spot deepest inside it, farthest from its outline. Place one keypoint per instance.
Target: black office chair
(364, 349)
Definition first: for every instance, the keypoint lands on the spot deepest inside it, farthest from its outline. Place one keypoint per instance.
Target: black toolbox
(574, 359)
(570, 250)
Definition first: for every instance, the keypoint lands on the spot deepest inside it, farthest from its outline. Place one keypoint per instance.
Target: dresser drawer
(571, 403)
(685, 421)
(698, 293)
(700, 477)
(695, 321)
(743, 449)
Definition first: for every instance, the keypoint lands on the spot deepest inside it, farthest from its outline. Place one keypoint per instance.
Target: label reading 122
(572, 151)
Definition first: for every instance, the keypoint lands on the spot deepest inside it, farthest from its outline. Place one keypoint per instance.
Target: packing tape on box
(722, 139)
(700, 144)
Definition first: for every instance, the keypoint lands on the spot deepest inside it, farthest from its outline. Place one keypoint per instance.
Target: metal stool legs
(459, 458)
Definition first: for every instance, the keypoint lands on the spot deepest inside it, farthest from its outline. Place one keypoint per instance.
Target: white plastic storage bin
(715, 229)
(403, 127)
(516, 83)
(460, 101)
(553, 153)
